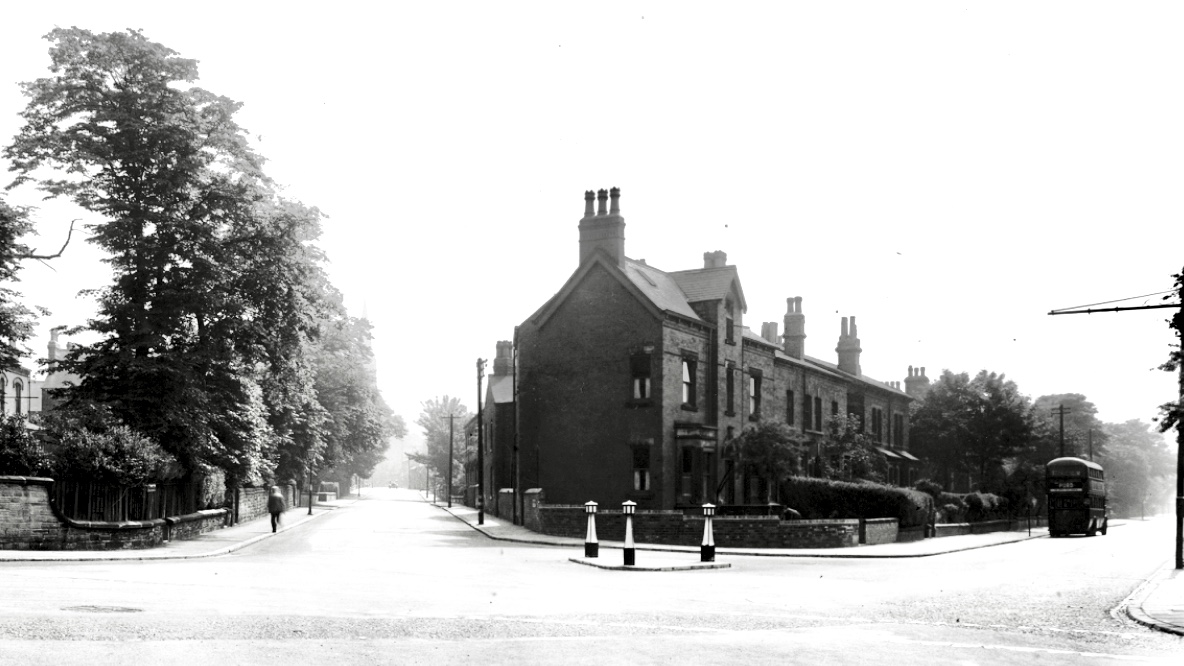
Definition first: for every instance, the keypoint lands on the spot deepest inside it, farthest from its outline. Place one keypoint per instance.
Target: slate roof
(660, 287)
(818, 365)
(709, 284)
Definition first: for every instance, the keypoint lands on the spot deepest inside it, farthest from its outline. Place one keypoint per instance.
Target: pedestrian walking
(275, 506)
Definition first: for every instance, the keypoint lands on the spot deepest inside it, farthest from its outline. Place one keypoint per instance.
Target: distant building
(632, 381)
(16, 392)
(56, 378)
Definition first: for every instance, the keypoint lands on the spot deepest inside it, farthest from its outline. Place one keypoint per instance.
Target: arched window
(16, 389)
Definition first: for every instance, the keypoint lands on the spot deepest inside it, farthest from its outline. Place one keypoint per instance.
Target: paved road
(391, 579)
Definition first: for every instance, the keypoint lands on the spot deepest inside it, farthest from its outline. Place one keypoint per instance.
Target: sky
(945, 172)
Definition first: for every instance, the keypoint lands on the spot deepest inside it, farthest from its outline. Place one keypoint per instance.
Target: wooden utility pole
(451, 419)
(1178, 324)
(1061, 411)
(480, 447)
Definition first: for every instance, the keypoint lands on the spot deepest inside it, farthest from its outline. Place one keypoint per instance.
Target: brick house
(632, 380)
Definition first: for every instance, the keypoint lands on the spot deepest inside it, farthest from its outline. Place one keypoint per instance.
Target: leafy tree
(773, 450)
(849, 454)
(205, 332)
(1080, 421)
(20, 452)
(968, 429)
(1138, 468)
(361, 424)
(434, 421)
(16, 320)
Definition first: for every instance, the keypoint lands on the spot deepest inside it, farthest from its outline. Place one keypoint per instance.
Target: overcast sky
(946, 172)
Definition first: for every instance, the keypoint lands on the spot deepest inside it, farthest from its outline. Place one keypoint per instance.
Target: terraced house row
(631, 382)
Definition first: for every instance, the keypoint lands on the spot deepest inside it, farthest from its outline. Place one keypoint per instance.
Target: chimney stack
(604, 230)
(503, 363)
(795, 328)
(769, 331)
(848, 348)
(715, 259)
(916, 385)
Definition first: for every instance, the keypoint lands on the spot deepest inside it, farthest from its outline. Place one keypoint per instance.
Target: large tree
(440, 417)
(1083, 430)
(360, 424)
(216, 288)
(968, 428)
(16, 320)
(1138, 468)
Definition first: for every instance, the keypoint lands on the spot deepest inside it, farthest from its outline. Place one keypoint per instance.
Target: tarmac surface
(1158, 603)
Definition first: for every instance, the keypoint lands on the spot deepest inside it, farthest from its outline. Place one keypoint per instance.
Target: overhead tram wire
(1078, 309)
(1179, 426)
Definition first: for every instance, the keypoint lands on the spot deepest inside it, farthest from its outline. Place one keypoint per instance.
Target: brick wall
(252, 502)
(675, 528)
(193, 524)
(29, 521)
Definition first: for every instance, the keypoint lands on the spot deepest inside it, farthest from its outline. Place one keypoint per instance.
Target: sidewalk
(1159, 603)
(210, 544)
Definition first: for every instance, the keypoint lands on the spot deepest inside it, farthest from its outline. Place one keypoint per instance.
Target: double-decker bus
(1076, 497)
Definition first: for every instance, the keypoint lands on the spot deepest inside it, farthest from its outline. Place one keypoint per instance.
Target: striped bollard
(629, 507)
(591, 545)
(707, 550)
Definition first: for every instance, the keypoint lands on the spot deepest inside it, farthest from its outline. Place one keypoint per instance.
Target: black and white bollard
(629, 507)
(707, 550)
(591, 545)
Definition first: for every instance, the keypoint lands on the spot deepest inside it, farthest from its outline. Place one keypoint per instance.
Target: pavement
(210, 544)
(1158, 603)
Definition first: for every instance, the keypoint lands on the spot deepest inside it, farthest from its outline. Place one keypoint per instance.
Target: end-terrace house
(631, 381)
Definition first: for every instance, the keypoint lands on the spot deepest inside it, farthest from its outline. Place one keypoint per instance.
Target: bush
(117, 456)
(21, 453)
(822, 498)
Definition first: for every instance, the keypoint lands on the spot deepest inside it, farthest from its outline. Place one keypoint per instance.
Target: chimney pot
(601, 200)
(589, 197)
(615, 201)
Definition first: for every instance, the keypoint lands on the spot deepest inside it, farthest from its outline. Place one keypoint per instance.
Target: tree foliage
(435, 422)
(20, 453)
(969, 428)
(220, 336)
(1138, 468)
(773, 450)
(16, 320)
(849, 454)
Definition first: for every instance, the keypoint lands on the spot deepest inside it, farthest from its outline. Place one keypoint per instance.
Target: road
(391, 579)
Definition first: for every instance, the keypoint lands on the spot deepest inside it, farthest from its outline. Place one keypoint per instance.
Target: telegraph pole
(1062, 411)
(1178, 358)
(451, 418)
(480, 447)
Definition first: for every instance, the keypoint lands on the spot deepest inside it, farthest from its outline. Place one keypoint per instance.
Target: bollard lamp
(629, 507)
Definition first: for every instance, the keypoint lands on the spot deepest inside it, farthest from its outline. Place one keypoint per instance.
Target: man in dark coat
(275, 506)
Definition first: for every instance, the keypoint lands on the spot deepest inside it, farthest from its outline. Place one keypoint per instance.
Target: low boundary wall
(677, 529)
(30, 521)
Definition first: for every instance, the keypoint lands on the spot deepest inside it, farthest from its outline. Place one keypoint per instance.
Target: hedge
(822, 498)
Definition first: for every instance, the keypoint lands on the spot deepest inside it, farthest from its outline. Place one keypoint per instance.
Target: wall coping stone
(202, 514)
